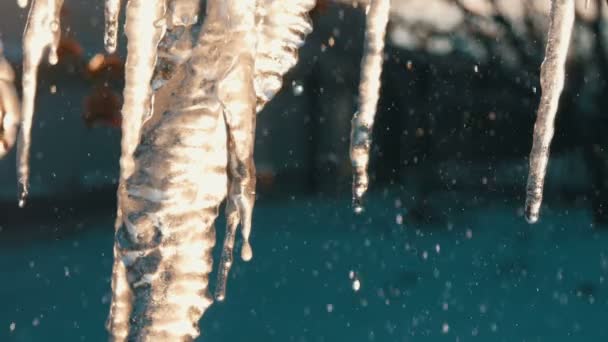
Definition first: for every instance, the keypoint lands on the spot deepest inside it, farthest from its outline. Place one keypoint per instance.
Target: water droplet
(356, 285)
(445, 328)
(298, 88)
(13, 326)
(54, 26)
(246, 251)
(358, 209)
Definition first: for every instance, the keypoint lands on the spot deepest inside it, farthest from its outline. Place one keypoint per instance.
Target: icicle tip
(246, 251)
(531, 213)
(358, 205)
(23, 192)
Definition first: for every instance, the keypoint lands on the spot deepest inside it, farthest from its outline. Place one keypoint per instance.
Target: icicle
(369, 93)
(166, 237)
(10, 108)
(238, 98)
(42, 31)
(144, 27)
(282, 28)
(111, 14)
(22, 3)
(176, 45)
(120, 309)
(552, 77)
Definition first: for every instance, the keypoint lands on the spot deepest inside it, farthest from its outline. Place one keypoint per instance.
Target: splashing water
(552, 76)
(111, 13)
(369, 93)
(10, 108)
(42, 32)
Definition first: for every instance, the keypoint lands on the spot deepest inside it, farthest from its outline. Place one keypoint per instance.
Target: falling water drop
(298, 88)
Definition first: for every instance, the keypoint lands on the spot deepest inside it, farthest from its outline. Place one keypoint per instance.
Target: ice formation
(188, 129)
(111, 14)
(187, 155)
(42, 32)
(369, 93)
(176, 46)
(144, 28)
(552, 77)
(10, 108)
(283, 27)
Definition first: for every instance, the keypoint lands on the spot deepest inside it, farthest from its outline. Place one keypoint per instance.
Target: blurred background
(442, 251)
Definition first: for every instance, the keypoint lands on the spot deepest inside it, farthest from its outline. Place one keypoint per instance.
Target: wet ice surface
(484, 274)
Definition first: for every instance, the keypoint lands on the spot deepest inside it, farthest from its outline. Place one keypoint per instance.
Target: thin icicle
(180, 177)
(144, 27)
(111, 14)
(282, 29)
(42, 32)
(552, 76)
(10, 108)
(237, 95)
(176, 45)
(369, 93)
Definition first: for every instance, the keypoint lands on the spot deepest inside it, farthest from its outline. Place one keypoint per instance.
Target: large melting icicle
(282, 28)
(176, 45)
(369, 93)
(180, 178)
(144, 28)
(42, 32)
(111, 14)
(552, 75)
(10, 108)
